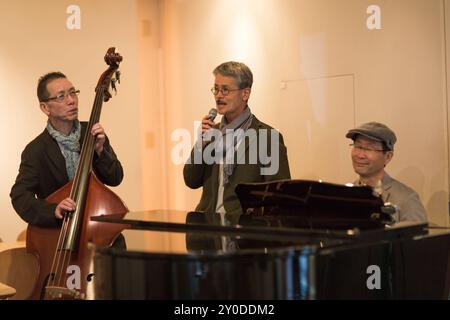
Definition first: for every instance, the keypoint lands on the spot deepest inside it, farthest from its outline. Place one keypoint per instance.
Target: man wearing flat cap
(373, 149)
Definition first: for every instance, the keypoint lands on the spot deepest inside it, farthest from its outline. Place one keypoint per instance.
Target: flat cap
(375, 131)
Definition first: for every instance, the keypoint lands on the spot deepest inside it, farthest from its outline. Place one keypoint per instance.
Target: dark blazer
(42, 171)
(206, 176)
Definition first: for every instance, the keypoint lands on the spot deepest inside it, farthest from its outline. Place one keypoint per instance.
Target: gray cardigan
(409, 206)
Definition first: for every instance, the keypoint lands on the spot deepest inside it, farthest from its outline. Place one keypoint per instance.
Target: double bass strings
(62, 256)
(56, 258)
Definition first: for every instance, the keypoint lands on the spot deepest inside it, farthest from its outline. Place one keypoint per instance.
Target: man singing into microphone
(244, 149)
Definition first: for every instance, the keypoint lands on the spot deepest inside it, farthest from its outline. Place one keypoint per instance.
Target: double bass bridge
(61, 293)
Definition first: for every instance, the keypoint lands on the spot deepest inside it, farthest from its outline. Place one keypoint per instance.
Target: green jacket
(207, 176)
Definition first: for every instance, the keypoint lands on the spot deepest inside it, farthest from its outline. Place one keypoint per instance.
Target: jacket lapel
(386, 185)
(54, 155)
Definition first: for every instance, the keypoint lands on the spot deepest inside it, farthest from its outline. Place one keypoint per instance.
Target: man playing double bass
(51, 159)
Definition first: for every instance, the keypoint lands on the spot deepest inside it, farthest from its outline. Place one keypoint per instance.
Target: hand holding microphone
(207, 123)
(208, 120)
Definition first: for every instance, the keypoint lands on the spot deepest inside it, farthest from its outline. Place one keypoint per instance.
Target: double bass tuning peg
(118, 76)
(114, 80)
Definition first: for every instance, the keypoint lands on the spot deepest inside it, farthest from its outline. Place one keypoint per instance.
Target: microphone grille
(212, 114)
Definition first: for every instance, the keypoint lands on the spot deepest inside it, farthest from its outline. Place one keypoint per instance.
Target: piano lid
(316, 204)
(212, 224)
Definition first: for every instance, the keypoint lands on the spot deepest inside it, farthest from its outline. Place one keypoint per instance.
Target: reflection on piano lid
(314, 204)
(264, 258)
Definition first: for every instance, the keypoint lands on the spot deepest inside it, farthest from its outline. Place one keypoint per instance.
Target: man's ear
(388, 157)
(246, 94)
(44, 108)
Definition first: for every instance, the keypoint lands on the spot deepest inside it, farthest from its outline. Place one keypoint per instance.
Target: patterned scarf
(69, 145)
(243, 122)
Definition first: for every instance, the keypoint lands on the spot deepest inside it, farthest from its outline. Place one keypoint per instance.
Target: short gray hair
(237, 70)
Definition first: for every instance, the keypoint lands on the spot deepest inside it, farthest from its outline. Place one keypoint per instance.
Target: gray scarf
(69, 145)
(243, 122)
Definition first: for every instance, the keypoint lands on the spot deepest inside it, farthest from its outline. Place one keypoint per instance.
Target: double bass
(64, 253)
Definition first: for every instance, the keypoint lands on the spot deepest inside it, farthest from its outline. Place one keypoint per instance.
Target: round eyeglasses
(224, 91)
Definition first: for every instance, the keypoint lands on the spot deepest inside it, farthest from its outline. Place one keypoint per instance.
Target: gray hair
(237, 70)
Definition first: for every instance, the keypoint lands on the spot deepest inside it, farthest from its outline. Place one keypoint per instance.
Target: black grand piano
(296, 239)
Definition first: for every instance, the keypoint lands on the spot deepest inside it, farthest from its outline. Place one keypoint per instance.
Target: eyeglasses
(225, 91)
(364, 149)
(61, 97)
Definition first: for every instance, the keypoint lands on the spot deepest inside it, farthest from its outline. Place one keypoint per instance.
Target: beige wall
(318, 71)
(35, 40)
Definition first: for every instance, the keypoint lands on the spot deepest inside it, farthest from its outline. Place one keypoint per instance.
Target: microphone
(206, 137)
(212, 114)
